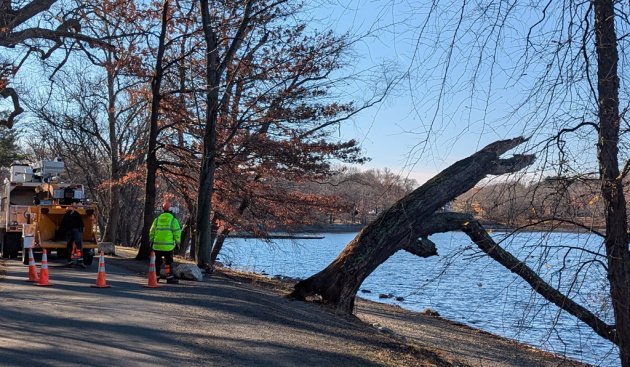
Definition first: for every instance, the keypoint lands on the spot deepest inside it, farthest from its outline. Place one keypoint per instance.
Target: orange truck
(32, 205)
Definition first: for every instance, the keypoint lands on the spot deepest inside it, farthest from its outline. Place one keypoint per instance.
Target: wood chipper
(33, 206)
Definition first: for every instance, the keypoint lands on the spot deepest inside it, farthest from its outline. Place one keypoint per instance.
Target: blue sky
(448, 105)
(456, 100)
(410, 132)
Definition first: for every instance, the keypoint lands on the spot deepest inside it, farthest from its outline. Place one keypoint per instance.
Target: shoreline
(426, 329)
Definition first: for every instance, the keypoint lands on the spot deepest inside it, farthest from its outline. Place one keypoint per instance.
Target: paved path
(217, 322)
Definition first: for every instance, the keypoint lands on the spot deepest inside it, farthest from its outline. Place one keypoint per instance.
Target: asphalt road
(218, 322)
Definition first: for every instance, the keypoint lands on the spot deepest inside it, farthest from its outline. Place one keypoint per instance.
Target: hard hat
(166, 205)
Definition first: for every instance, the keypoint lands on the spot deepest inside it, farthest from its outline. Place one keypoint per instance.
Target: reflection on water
(464, 285)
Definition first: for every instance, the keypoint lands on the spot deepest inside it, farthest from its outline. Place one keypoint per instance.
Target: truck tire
(3, 240)
(11, 243)
(88, 256)
(16, 245)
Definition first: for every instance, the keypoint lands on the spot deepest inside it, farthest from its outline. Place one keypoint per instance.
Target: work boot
(81, 265)
(172, 280)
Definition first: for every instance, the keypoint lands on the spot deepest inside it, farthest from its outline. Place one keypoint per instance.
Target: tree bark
(185, 236)
(448, 222)
(422, 247)
(111, 230)
(616, 239)
(203, 239)
(215, 67)
(149, 195)
(218, 245)
(400, 225)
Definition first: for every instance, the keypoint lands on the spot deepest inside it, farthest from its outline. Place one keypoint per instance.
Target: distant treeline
(559, 202)
(362, 195)
(565, 202)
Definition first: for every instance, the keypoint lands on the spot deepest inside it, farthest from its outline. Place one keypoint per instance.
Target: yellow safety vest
(165, 232)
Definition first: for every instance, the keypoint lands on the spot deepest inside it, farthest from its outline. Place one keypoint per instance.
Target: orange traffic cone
(43, 275)
(32, 268)
(100, 280)
(77, 256)
(152, 274)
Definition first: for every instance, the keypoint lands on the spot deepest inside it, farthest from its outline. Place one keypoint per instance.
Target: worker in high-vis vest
(165, 234)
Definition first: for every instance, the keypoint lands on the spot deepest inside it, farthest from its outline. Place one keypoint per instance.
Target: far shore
(317, 231)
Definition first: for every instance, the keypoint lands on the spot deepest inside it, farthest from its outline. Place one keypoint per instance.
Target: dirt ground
(378, 334)
(453, 343)
(431, 337)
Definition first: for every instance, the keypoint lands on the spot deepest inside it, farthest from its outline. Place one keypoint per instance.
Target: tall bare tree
(152, 141)
(617, 237)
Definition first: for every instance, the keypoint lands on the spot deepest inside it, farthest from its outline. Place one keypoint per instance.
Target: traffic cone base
(32, 268)
(43, 276)
(101, 282)
(152, 275)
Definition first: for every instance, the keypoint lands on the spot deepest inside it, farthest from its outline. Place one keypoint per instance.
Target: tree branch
(482, 239)
(17, 109)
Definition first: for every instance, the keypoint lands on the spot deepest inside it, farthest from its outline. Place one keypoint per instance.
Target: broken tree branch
(399, 226)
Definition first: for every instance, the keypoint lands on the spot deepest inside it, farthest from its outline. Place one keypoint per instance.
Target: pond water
(464, 285)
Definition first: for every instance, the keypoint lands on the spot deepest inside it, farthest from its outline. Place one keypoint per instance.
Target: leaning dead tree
(407, 225)
(400, 226)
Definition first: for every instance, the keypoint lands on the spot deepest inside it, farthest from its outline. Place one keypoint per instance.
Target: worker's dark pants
(168, 258)
(74, 235)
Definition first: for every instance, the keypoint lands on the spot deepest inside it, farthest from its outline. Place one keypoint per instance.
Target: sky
(385, 131)
(390, 131)
(393, 133)
(448, 102)
(451, 101)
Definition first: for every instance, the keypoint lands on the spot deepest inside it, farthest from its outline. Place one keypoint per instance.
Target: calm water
(464, 285)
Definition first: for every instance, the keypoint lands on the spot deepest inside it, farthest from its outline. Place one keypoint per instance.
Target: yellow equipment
(32, 205)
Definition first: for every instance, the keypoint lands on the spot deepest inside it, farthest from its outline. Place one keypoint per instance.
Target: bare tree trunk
(111, 230)
(399, 226)
(203, 238)
(616, 240)
(225, 232)
(149, 195)
(192, 210)
(218, 244)
(214, 69)
(185, 236)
